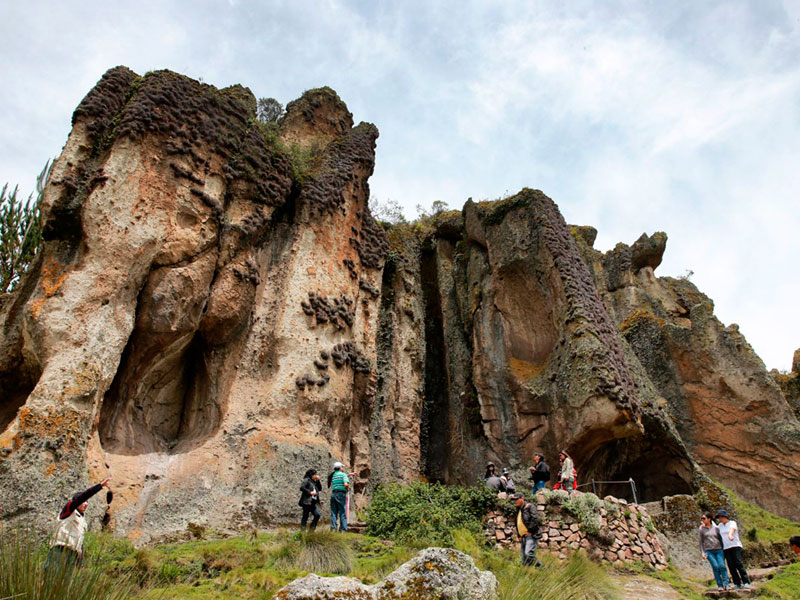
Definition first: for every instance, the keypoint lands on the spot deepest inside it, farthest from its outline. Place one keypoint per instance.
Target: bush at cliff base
(22, 574)
(427, 513)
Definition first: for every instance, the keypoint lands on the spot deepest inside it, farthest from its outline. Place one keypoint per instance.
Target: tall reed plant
(23, 574)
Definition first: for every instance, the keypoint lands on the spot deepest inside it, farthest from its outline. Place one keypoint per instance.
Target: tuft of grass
(325, 551)
(576, 579)
(22, 574)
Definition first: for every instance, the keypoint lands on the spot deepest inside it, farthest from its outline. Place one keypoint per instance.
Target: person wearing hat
(492, 480)
(508, 481)
(732, 547)
(567, 474)
(309, 498)
(528, 529)
(66, 547)
(540, 472)
(339, 484)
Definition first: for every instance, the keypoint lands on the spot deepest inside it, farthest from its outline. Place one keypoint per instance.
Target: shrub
(427, 513)
(20, 232)
(585, 508)
(556, 497)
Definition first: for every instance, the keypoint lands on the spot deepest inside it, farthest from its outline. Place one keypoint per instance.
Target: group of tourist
(310, 488)
(719, 541)
(540, 475)
(720, 544)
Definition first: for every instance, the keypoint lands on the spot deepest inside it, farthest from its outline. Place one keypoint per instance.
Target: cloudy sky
(634, 117)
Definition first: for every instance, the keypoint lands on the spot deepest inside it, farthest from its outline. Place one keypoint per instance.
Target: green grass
(785, 585)
(768, 527)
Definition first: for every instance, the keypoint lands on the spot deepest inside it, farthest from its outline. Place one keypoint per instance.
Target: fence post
(594, 488)
(633, 490)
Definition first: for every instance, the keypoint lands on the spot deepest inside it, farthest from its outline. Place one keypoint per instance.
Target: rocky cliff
(215, 310)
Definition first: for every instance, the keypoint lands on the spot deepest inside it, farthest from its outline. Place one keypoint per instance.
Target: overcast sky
(681, 117)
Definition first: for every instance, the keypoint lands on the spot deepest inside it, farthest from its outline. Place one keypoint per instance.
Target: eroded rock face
(215, 310)
(433, 573)
(165, 338)
(727, 409)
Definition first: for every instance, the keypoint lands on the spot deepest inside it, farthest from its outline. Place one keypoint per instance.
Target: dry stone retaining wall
(625, 534)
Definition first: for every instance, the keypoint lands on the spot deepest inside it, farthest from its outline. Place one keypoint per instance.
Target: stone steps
(356, 527)
(756, 575)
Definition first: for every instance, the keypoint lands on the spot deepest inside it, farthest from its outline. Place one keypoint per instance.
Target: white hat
(338, 465)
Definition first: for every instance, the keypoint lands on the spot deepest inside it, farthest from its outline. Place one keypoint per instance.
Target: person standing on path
(711, 547)
(66, 547)
(528, 529)
(732, 547)
(566, 476)
(340, 484)
(540, 473)
(309, 498)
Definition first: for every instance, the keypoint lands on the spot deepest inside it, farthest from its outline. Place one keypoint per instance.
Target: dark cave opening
(16, 392)
(434, 438)
(658, 467)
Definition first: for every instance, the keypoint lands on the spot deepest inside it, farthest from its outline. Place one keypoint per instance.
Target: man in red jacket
(66, 547)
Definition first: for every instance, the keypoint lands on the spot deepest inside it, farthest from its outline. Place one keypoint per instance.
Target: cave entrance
(658, 467)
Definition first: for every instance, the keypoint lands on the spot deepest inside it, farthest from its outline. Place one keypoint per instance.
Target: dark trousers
(733, 556)
(310, 510)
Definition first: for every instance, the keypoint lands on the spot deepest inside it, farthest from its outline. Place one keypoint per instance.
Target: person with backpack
(529, 530)
(492, 480)
(66, 547)
(309, 498)
(540, 473)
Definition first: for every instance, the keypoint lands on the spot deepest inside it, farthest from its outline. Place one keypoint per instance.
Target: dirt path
(641, 587)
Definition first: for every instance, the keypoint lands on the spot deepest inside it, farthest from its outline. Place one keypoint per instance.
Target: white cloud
(675, 116)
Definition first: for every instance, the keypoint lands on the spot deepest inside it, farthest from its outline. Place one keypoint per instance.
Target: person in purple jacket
(66, 547)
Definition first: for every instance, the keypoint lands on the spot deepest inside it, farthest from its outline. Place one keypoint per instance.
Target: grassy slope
(256, 567)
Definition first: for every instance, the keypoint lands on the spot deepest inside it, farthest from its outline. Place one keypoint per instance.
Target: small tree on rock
(268, 110)
(20, 232)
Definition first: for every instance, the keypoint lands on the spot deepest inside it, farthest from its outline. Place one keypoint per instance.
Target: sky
(682, 117)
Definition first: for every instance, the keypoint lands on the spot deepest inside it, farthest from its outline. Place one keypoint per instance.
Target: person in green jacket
(340, 485)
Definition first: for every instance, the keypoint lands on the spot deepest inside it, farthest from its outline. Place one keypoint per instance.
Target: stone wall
(623, 533)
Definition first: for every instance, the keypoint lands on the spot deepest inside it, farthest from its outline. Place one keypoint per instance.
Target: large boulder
(434, 574)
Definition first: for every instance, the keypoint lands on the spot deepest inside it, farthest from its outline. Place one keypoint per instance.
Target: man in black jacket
(529, 530)
(540, 473)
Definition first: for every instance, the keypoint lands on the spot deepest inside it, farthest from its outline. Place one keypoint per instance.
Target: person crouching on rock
(66, 547)
(528, 529)
(309, 498)
(508, 481)
(492, 480)
(340, 484)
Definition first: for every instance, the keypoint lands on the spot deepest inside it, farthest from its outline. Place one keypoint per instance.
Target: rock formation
(433, 573)
(214, 310)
